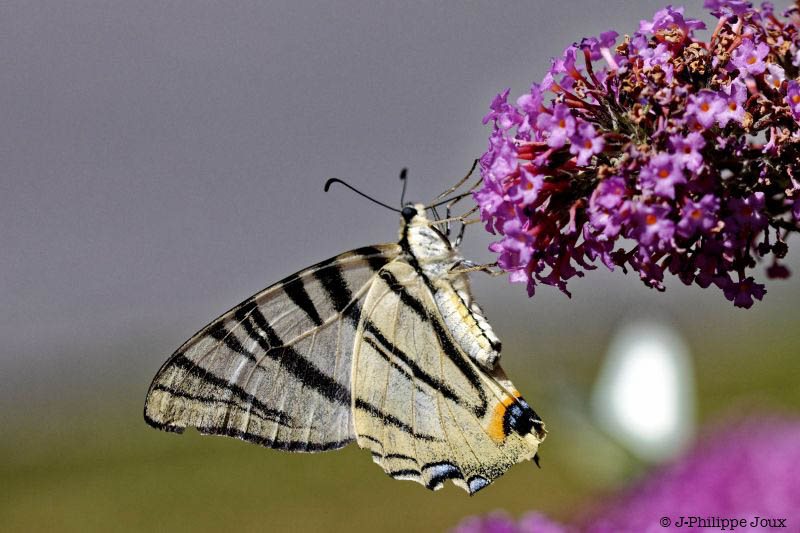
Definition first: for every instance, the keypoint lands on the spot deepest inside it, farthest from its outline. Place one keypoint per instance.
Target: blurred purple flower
(748, 212)
(746, 469)
(778, 271)
(502, 523)
(740, 293)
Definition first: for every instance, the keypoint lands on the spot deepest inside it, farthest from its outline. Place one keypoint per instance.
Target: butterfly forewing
(424, 408)
(274, 370)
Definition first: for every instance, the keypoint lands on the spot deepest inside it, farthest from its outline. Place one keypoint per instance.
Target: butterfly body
(384, 345)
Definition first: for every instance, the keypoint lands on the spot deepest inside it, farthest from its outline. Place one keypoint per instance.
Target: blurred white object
(645, 394)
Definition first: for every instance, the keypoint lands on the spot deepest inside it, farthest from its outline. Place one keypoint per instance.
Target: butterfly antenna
(404, 179)
(337, 180)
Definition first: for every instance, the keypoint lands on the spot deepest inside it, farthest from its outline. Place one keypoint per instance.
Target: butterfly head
(414, 214)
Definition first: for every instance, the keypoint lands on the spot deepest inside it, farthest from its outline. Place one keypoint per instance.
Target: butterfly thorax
(430, 252)
(426, 246)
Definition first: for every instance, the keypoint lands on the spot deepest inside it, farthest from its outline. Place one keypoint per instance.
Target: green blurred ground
(79, 467)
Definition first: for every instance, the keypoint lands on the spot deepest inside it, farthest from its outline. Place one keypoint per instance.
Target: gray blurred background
(162, 161)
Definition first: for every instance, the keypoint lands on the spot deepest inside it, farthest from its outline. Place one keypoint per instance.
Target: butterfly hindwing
(424, 408)
(274, 370)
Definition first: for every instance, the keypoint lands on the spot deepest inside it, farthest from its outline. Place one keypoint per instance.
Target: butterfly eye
(408, 213)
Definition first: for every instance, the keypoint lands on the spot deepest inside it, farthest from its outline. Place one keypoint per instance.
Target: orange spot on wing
(495, 428)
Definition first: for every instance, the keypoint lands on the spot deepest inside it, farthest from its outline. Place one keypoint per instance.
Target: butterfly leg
(466, 266)
(464, 226)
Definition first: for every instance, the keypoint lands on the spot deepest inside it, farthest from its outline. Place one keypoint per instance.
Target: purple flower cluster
(748, 470)
(502, 523)
(672, 155)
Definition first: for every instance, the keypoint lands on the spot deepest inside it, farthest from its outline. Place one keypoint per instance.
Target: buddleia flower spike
(663, 151)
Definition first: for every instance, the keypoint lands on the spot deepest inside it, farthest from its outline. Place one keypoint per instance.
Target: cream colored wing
(274, 370)
(426, 411)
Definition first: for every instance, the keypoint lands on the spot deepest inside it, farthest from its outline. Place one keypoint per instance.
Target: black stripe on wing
(306, 372)
(273, 415)
(391, 420)
(181, 361)
(287, 445)
(296, 291)
(411, 370)
(335, 286)
(408, 300)
(404, 473)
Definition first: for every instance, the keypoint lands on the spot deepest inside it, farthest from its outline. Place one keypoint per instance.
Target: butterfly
(383, 345)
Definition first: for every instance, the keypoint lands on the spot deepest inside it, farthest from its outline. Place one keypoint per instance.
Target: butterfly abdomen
(466, 322)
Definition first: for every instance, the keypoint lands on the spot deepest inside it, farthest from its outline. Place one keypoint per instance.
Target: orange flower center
(663, 173)
(651, 219)
(751, 60)
(587, 144)
(704, 106)
(528, 185)
(795, 98)
(732, 106)
(696, 214)
(562, 123)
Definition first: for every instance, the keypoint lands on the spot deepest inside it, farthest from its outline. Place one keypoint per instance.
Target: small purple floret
(662, 174)
(669, 18)
(687, 150)
(749, 57)
(698, 216)
(705, 107)
(733, 98)
(585, 143)
(793, 98)
(560, 125)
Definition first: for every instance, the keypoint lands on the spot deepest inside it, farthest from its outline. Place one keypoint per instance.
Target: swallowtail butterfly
(383, 345)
